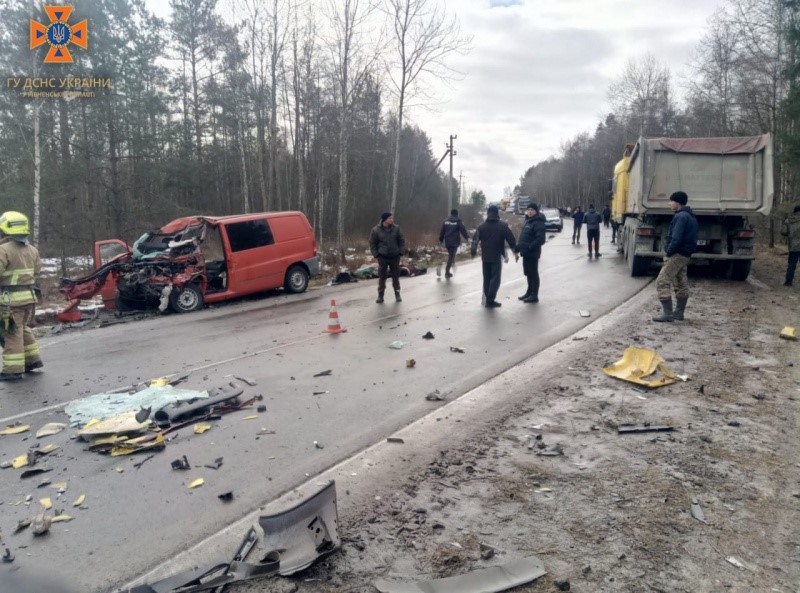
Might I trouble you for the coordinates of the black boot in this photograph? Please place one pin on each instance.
(397, 296)
(667, 314)
(680, 307)
(531, 299)
(33, 366)
(380, 298)
(525, 296)
(10, 376)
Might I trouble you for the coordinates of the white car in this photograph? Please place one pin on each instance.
(553, 221)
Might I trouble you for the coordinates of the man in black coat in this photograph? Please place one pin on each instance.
(387, 244)
(452, 231)
(592, 221)
(492, 235)
(531, 238)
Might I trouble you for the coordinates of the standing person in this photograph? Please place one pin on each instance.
(791, 230)
(606, 216)
(577, 222)
(19, 266)
(531, 238)
(492, 235)
(592, 220)
(452, 230)
(681, 244)
(387, 244)
(614, 228)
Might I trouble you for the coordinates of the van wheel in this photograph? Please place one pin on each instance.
(186, 299)
(296, 279)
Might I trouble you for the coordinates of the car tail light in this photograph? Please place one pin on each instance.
(744, 234)
(645, 232)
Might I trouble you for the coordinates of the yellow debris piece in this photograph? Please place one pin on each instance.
(19, 462)
(159, 382)
(92, 422)
(79, 501)
(48, 449)
(61, 518)
(249, 417)
(134, 447)
(196, 483)
(109, 440)
(59, 485)
(789, 333)
(15, 429)
(46, 503)
(638, 363)
(201, 428)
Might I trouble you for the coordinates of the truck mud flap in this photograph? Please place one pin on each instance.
(304, 533)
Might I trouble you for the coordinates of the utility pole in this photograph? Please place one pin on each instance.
(450, 178)
(460, 187)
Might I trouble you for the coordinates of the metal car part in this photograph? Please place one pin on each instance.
(169, 414)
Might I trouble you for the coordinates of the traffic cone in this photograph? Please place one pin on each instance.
(334, 327)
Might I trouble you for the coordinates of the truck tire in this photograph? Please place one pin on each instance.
(637, 264)
(740, 269)
(186, 299)
(296, 279)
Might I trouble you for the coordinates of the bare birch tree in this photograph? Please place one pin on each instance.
(423, 38)
(642, 93)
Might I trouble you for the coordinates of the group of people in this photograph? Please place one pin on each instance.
(592, 219)
(493, 235)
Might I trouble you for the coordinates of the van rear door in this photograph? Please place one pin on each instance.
(253, 262)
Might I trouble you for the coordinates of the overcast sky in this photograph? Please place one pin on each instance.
(538, 72)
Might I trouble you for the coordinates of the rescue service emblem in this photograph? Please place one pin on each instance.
(59, 34)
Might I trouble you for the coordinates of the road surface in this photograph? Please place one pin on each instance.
(138, 518)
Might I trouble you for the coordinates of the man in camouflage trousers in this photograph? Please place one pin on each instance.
(681, 244)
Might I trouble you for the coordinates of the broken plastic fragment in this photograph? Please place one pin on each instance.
(79, 501)
(159, 382)
(457, 349)
(225, 496)
(196, 483)
(697, 511)
(34, 471)
(46, 503)
(20, 461)
(249, 417)
(47, 449)
(7, 556)
(132, 446)
(62, 518)
(396, 345)
(584, 313)
(735, 561)
(428, 336)
(119, 470)
(788, 333)
(182, 463)
(326, 373)
(60, 486)
(201, 427)
(638, 363)
(50, 429)
(9, 430)
(411, 363)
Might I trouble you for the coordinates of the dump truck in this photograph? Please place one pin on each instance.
(727, 181)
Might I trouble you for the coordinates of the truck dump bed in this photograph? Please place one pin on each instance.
(730, 176)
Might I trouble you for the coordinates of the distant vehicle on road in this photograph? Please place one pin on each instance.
(521, 204)
(553, 220)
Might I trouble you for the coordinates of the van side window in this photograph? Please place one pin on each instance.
(249, 234)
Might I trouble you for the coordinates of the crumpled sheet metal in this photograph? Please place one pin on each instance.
(637, 364)
(485, 580)
(305, 532)
(110, 404)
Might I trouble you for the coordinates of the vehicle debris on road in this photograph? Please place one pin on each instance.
(638, 363)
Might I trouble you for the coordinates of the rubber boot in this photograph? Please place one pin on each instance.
(380, 298)
(33, 366)
(667, 314)
(680, 307)
(531, 299)
(10, 376)
(397, 296)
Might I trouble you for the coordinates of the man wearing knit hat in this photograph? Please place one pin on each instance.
(492, 236)
(387, 244)
(681, 244)
(452, 230)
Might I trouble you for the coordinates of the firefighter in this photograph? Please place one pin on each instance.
(19, 266)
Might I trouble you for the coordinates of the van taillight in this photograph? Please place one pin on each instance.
(645, 232)
(744, 234)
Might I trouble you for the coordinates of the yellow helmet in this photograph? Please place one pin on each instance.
(14, 224)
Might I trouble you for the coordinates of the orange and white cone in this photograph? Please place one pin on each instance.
(334, 327)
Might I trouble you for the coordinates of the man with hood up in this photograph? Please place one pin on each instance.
(791, 230)
(387, 244)
(681, 244)
(19, 266)
(492, 235)
(452, 230)
(531, 238)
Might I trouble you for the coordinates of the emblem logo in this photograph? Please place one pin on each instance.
(59, 34)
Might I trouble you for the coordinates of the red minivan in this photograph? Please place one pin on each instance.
(202, 259)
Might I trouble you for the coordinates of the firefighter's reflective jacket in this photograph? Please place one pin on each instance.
(19, 266)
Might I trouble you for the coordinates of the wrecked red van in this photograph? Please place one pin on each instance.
(201, 259)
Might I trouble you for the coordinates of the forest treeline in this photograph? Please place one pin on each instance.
(744, 80)
(279, 105)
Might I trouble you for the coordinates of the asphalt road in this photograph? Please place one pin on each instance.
(138, 518)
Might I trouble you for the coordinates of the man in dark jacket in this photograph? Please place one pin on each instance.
(681, 244)
(791, 230)
(577, 222)
(492, 235)
(452, 231)
(606, 216)
(387, 244)
(592, 221)
(531, 238)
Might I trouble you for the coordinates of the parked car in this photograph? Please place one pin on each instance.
(553, 220)
(202, 259)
